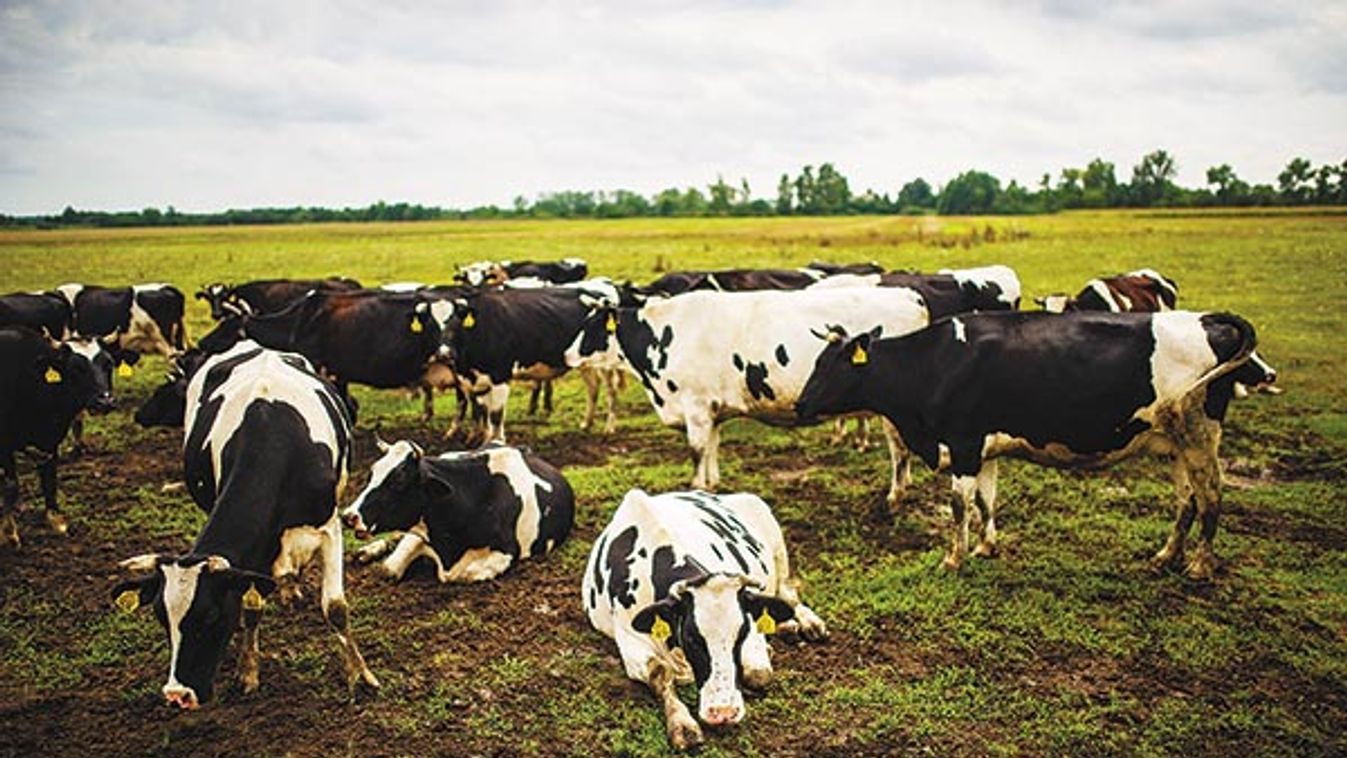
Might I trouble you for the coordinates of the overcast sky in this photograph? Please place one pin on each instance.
(204, 106)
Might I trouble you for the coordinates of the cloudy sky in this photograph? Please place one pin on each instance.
(204, 106)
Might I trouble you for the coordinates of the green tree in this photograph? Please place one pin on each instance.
(831, 190)
(1099, 185)
(971, 192)
(1229, 188)
(916, 194)
(722, 197)
(1293, 183)
(1152, 179)
(785, 196)
(806, 201)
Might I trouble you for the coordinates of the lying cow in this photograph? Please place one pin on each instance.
(265, 295)
(265, 454)
(1082, 390)
(145, 317)
(43, 385)
(484, 273)
(1141, 291)
(687, 584)
(39, 311)
(707, 357)
(732, 280)
(473, 514)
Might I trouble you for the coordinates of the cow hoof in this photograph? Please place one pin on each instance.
(985, 550)
(11, 532)
(248, 682)
(58, 522)
(951, 564)
(684, 733)
(1162, 562)
(1201, 568)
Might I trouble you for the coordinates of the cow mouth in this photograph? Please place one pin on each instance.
(101, 405)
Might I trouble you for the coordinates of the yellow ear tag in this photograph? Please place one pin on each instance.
(125, 371)
(469, 322)
(416, 326)
(128, 601)
(611, 325)
(766, 624)
(860, 357)
(660, 631)
(252, 599)
(52, 376)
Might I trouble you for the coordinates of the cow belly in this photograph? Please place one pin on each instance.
(1057, 455)
(538, 372)
(298, 545)
(477, 565)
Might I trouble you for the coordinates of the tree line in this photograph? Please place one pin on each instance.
(821, 191)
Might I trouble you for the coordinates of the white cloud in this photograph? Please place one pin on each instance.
(206, 106)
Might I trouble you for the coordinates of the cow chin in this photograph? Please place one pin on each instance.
(721, 709)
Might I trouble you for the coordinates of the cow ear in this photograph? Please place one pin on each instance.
(765, 610)
(658, 620)
(383, 446)
(432, 473)
(129, 357)
(133, 594)
(243, 580)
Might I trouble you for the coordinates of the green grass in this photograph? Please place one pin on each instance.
(1064, 645)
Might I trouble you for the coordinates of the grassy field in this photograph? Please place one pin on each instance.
(1065, 645)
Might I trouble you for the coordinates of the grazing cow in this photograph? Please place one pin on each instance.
(266, 449)
(496, 335)
(687, 584)
(265, 295)
(38, 311)
(707, 357)
(42, 388)
(145, 317)
(1081, 390)
(484, 273)
(473, 514)
(1141, 291)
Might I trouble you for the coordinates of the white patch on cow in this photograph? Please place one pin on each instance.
(1181, 360)
(510, 463)
(1104, 294)
(87, 347)
(1003, 276)
(143, 333)
(70, 291)
(476, 565)
(179, 591)
(573, 262)
(719, 619)
(402, 286)
(843, 281)
(1056, 303)
(816, 274)
(379, 471)
(442, 311)
(960, 334)
(300, 543)
(527, 283)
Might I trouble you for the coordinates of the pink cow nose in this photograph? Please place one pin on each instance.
(719, 715)
(183, 698)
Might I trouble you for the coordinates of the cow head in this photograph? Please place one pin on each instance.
(394, 497)
(224, 301)
(839, 372)
(1256, 375)
(167, 405)
(596, 344)
(481, 273)
(718, 620)
(85, 367)
(198, 599)
(1058, 302)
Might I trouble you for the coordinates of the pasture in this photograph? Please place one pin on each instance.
(1064, 645)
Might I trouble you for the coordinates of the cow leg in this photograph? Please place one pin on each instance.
(46, 471)
(1185, 509)
(699, 429)
(643, 666)
(496, 399)
(965, 492)
(900, 461)
(611, 378)
(427, 402)
(713, 456)
(591, 380)
(839, 432)
(335, 610)
(77, 433)
(249, 651)
(547, 397)
(863, 433)
(409, 548)
(9, 528)
(461, 401)
(1205, 475)
(986, 502)
(533, 398)
(806, 623)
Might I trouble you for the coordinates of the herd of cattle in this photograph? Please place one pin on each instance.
(686, 583)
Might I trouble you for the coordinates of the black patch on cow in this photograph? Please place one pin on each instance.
(755, 377)
(619, 562)
(738, 362)
(781, 356)
(664, 572)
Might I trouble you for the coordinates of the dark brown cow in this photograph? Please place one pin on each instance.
(1141, 291)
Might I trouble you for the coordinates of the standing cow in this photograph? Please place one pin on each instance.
(265, 295)
(1082, 390)
(707, 357)
(38, 311)
(473, 514)
(265, 454)
(145, 317)
(43, 385)
(687, 584)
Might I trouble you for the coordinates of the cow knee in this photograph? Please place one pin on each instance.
(336, 614)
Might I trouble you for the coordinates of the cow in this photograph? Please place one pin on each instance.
(482, 273)
(688, 584)
(706, 357)
(833, 269)
(265, 295)
(43, 385)
(500, 334)
(145, 317)
(731, 280)
(38, 311)
(1141, 291)
(265, 454)
(1080, 390)
(474, 514)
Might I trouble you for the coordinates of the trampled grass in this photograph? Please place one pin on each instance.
(1063, 645)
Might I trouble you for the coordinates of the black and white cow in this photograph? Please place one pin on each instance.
(145, 317)
(266, 295)
(833, 269)
(687, 584)
(43, 386)
(38, 311)
(707, 357)
(266, 449)
(496, 335)
(1081, 390)
(483, 273)
(1141, 291)
(732, 280)
(473, 514)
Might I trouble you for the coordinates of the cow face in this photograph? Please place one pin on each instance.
(481, 273)
(393, 498)
(839, 373)
(198, 600)
(718, 621)
(84, 367)
(167, 406)
(596, 344)
(1055, 303)
(224, 301)
(1256, 374)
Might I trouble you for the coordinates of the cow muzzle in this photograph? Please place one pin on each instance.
(102, 404)
(183, 697)
(356, 524)
(723, 715)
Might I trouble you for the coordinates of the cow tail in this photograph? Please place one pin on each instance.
(1248, 340)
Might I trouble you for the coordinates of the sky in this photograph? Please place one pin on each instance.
(207, 106)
